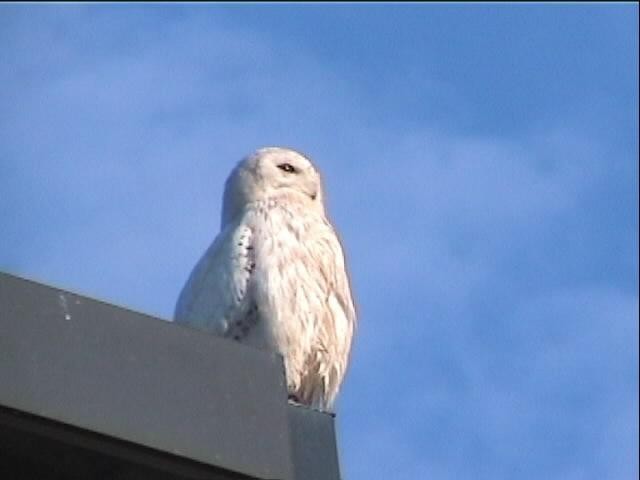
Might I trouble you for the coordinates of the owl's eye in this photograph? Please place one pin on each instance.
(287, 167)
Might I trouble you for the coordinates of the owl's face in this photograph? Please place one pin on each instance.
(272, 172)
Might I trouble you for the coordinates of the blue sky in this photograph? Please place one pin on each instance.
(481, 163)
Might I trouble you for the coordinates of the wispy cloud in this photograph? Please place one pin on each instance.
(487, 346)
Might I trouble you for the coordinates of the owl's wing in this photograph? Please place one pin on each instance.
(215, 295)
(340, 317)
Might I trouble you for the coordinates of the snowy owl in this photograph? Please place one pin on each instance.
(275, 276)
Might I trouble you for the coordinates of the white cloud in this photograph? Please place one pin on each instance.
(120, 136)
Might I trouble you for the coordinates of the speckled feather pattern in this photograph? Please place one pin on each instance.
(275, 276)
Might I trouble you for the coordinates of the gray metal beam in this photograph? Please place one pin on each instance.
(148, 385)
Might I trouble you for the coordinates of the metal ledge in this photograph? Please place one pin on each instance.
(105, 386)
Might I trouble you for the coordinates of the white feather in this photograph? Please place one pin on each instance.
(275, 276)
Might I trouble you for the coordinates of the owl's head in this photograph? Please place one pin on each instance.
(272, 172)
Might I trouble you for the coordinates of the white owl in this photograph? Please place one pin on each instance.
(275, 276)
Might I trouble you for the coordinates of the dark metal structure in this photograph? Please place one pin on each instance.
(93, 391)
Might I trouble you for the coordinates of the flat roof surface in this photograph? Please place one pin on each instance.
(142, 386)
